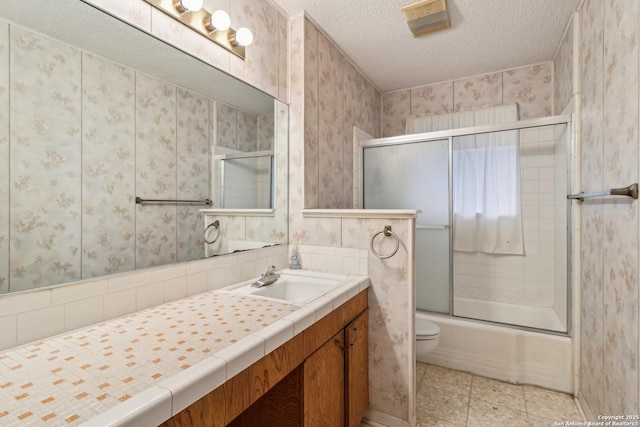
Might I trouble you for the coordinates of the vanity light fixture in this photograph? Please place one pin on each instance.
(215, 26)
(189, 5)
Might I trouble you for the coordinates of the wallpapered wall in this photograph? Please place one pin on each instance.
(337, 98)
(609, 92)
(391, 293)
(247, 183)
(265, 65)
(86, 136)
(242, 131)
(530, 87)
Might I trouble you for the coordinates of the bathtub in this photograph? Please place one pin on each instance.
(533, 317)
(503, 353)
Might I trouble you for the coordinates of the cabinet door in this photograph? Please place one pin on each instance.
(357, 368)
(323, 385)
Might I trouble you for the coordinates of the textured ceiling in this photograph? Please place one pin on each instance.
(485, 35)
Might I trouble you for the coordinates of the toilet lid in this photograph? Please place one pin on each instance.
(426, 328)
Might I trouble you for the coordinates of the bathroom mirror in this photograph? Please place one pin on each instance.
(95, 113)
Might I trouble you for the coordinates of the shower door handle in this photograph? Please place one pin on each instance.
(432, 227)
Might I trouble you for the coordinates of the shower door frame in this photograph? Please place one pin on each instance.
(449, 135)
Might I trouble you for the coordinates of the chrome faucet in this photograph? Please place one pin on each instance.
(269, 277)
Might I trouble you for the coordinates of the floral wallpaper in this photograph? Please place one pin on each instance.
(311, 77)
(530, 87)
(391, 293)
(193, 170)
(45, 147)
(114, 134)
(261, 65)
(330, 130)
(337, 97)
(236, 132)
(265, 132)
(391, 312)
(155, 171)
(620, 219)
(265, 66)
(108, 139)
(563, 72)
(4, 156)
(226, 124)
(236, 129)
(609, 157)
(476, 92)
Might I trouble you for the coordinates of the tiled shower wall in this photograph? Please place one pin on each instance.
(516, 279)
(85, 137)
(337, 98)
(531, 87)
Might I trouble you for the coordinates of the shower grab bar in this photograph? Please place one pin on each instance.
(630, 191)
(432, 227)
(387, 232)
(140, 200)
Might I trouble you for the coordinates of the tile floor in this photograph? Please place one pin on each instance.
(449, 398)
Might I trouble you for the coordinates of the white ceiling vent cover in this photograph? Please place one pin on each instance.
(426, 16)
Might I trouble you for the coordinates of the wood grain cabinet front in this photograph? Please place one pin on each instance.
(357, 369)
(318, 378)
(336, 378)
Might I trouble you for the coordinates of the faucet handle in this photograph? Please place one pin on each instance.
(270, 270)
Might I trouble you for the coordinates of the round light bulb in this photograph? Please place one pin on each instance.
(192, 5)
(220, 20)
(244, 36)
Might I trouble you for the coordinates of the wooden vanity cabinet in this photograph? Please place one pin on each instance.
(323, 382)
(318, 378)
(336, 378)
(357, 369)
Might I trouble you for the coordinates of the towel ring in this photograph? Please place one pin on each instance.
(215, 224)
(387, 232)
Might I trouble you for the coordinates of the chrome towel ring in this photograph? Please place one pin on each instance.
(215, 224)
(387, 232)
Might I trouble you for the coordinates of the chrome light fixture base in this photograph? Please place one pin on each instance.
(199, 22)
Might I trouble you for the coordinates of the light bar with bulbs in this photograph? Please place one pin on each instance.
(215, 26)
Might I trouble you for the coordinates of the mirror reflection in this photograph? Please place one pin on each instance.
(94, 113)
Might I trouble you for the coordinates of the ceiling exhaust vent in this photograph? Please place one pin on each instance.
(426, 16)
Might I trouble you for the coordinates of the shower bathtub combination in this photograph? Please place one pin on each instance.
(492, 240)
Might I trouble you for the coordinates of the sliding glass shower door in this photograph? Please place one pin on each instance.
(416, 176)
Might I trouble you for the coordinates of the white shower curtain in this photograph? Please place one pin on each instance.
(486, 180)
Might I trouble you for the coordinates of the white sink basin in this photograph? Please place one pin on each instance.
(292, 288)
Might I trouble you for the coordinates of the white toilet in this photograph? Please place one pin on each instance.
(427, 338)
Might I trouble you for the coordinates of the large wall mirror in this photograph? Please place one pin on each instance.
(94, 113)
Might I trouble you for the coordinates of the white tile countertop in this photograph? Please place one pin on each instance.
(143, 368)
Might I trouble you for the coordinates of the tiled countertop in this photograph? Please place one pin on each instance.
(145, 367)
